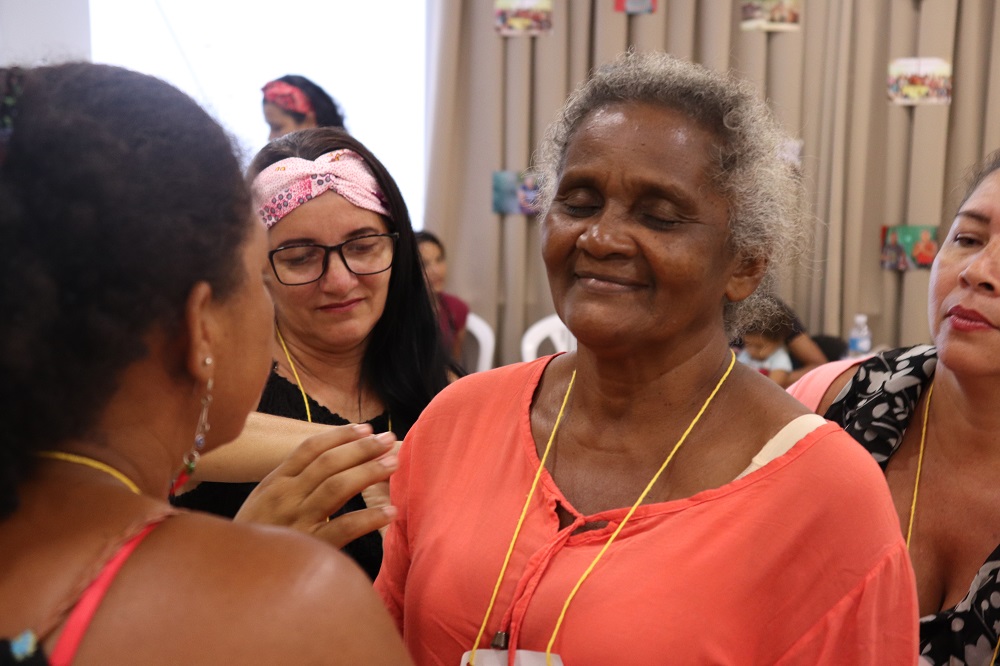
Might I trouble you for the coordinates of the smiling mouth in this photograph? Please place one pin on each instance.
(345, 305)
(606, 283)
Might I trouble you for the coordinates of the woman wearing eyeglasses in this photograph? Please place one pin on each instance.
(356, 339)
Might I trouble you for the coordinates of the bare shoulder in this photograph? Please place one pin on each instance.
(764, 400)
(204, 590)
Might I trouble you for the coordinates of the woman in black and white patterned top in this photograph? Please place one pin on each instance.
(929, 416)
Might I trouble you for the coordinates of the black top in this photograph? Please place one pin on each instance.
(282, 398)
(875, 408)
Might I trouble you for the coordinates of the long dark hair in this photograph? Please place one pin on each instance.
(117, 195)
(405, 361)
(328, 112)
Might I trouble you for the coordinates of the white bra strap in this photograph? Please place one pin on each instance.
(784, 440)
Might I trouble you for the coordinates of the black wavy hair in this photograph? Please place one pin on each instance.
(328, 112)
(405, 361)
(117, 195)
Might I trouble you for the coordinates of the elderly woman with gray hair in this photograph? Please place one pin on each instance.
(645, 499)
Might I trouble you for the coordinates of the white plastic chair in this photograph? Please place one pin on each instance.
(486, 340)
(547, 328)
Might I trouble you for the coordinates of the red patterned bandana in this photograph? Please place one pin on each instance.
(287, 97)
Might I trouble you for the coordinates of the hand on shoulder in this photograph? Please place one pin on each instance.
(319, 477)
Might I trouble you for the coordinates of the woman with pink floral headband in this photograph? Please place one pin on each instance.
(356, 337)
(294, 102)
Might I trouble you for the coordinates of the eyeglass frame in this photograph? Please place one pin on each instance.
(328, 249)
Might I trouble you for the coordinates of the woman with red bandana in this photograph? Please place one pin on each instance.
(294, 102)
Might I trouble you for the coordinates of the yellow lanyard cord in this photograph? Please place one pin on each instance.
(916, 488)
(632, 510)
(920, 467)
(298, 382)
(93, 464)
(295, 373)
(520, 520)
(621, 525)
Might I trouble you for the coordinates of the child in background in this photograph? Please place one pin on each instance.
(802, 348)
(764, 350)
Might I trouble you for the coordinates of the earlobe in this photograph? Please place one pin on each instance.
(202, 332)
(745, 279)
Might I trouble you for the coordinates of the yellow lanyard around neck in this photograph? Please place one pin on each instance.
(920, 468)
(295, 373)
(614, 535)
(86, 461)
(298, 382)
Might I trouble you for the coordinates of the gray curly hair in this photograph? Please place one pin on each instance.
(763, 189)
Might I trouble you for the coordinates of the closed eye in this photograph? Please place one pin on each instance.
(655, 223)
(578, 201)
(579, 211)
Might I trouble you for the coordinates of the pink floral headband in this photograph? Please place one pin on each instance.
(287, 97)
(285, 185)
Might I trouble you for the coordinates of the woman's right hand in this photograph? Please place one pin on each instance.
(319, 477)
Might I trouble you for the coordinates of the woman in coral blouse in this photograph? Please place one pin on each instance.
(646, 499)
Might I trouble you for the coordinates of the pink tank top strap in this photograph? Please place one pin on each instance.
(80, 617)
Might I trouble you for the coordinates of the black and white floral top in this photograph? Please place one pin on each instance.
(875, 408)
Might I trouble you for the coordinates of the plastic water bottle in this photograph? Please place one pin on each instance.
(859, 343)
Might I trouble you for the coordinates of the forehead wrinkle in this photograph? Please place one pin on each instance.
(615, 118)
(606, 125)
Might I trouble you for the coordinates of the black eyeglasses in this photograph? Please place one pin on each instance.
(301, 264)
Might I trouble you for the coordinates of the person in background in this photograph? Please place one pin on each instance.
(355, 335)
(805, 353)
(764, 351)
(782, 322)
(645, 498)
(135, 336)
(928, 415)
(294, 102)
(924, 249)
(452, 311)
(893, 256)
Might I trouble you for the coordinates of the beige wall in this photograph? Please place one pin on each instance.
(867, 163)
